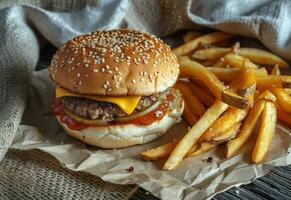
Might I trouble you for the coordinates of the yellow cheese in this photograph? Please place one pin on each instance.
(126, 103)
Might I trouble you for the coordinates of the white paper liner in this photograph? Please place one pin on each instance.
(192, 179)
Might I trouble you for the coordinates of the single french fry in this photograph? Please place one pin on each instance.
(266, 132)
(283, 98)
(194, 134)
(262, 57)
(205, 39)
(231, 117)
(268, 96)
(282, 81)
(201, 148)
(212, 53)
(247, 128)
(159, 152)
(288, 91)
(239, 61)
(190, 117)
(201, 94)
(284, 117)
(276, 70)
(227, 135)
(230, 74)
(194, 103)
(191, 35)
(245, 85)
(220, 91)
(255, 55)
(221, 63)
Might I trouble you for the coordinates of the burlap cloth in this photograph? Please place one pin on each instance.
(24, 30)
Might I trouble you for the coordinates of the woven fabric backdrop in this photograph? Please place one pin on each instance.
(25, 29)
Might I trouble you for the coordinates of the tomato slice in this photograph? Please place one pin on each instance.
(147, 119)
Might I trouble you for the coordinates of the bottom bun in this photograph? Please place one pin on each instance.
(118, 136)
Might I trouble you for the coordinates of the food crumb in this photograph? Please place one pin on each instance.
(209, 159)
(130, 169)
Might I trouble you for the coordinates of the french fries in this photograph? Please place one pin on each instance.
(191, 35)
(262, 57)
(220, 91)
(159, 152)
(205, 39)
(229, 118)
(194, 134)
(190, 117)
(201, 148)
(233, 146)
(194, 104)
(255, 55)
(246, 84)
(282, 81)
(283, 98)
(266, 132)
(212, 53)
(202, 95)
(239, 61)
(229, 74)
(284, 117)
(239, 94)
(227, 135)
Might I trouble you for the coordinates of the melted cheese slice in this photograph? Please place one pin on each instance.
(126, 103)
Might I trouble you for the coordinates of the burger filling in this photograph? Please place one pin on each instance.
(79, 113)
(91, 109)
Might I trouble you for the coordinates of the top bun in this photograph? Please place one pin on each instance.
(115, 62)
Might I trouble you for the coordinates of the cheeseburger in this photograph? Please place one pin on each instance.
(114, 88)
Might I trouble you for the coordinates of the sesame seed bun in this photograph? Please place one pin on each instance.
(119, 136)
(115, 62)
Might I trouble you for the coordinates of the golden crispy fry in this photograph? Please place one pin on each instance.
(227, 135)
(210, 63)
(194, 103)
(201, 148)
(159, 152)
(282, 81)
(288, 91)
(247, 128)
(205, 39)
(220, 91)
(201, 94)
(191, 35)
(230, 74)
(255, 55)
(212, 53)
(190, 117)
(245, 85)
(262, 57)
(283, 98)
(221, 63)
(284, 117)
(266, 132)
(239, 61)
(231, 117)
(268, 96)
(194, 134)
(276, 70)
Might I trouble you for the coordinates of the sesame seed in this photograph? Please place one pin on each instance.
(133, 81)
(116, 69)
(78, 75)
(95, 70)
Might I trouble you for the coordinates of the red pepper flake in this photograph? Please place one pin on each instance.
(130, 169)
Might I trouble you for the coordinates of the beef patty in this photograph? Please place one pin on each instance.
(91, 109)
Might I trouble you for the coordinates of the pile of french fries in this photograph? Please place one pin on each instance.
(228, 92)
